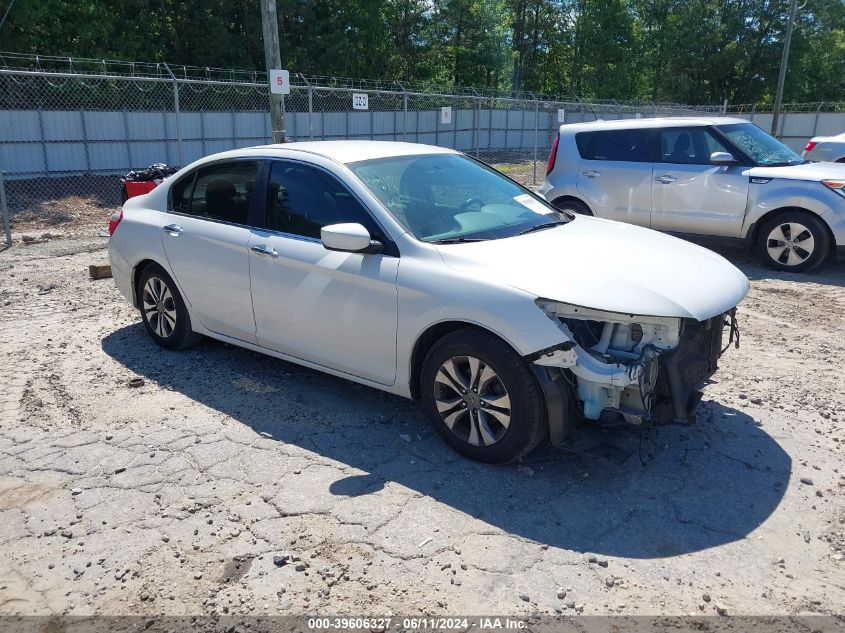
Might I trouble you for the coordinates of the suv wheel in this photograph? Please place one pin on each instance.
(574, 206)
(163, 311)
(795, 241)
(482, 397)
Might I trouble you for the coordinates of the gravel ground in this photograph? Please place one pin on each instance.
(220, 481)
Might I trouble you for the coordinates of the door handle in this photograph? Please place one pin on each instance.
(666, 179)
(174, 230)
(591, 173)
(263, 249)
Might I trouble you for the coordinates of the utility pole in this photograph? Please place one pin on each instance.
(784, 60)
(273, 59)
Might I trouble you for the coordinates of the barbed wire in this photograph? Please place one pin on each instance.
(251, 77)
(764, 108)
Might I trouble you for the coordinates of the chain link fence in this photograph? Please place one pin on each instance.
(70, 128)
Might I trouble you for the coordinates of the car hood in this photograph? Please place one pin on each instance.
(607, 265)
(807, 171)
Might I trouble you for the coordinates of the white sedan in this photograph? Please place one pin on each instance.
(423, 272)
(826, 148)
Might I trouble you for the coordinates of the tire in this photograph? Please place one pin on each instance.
(473, 423)
(796, 241)
(163, 311)
(574, 206)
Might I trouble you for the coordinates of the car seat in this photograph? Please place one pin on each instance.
(220, 200)
(300, 203)
(680, 153)
(419, 208)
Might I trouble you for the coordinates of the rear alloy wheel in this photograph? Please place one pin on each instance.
(482, 397)
(794, 241)
(159, 307)
(163, 311)
(573, 206)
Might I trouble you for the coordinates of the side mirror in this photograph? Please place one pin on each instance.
(348, 238)
(722, 158)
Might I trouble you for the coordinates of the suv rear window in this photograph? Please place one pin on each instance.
(617, 145)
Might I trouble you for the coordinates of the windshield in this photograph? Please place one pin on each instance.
(452, 198)
(760, 147)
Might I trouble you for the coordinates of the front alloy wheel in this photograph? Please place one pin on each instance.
(796, 241)
(790, 243)
(482, 397)
(472, 400)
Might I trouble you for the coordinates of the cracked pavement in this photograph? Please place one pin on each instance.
(227, 482)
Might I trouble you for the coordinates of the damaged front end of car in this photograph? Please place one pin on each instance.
(626, 368)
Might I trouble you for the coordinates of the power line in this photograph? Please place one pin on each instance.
(9, 8)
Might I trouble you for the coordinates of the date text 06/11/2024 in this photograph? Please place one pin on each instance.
(414, 623)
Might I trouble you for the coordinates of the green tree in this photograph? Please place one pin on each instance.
(692, 51)
(603, 63)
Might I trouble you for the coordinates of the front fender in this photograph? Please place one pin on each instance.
(428, 296)
(763, 198)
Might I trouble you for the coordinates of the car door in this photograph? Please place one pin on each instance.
(615, 174)
(689, 195)
(205, 234)
(336, 309)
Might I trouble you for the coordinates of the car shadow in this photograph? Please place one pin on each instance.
(618, 491)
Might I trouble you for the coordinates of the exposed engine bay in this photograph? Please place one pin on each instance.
(633, 369)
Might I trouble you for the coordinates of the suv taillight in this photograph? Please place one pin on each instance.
(810, 146)
(114, 220)
(552, 156)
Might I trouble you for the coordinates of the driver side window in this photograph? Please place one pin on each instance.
(302, 199)
(688, 145)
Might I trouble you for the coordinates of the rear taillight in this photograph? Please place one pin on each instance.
(114, 220)
(552, 156)
(810, 146)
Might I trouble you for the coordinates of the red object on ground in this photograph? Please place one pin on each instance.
(137, 187)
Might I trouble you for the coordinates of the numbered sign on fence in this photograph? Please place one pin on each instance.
(446, 115)
(360, 101)
(279, 81)
(561, 115)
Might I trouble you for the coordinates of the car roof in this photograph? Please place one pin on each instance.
(353, 151)
(628, 124)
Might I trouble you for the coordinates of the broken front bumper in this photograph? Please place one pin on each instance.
(686, 369)
(626, 368)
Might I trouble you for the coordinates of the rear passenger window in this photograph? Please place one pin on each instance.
(219, 192)
(616, 145)
(180, 194)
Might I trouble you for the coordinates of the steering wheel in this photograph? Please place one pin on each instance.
(466, 204)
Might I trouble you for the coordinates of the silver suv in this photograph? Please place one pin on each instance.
(708, 176)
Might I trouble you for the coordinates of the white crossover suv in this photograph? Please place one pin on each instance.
(825, 148)
(708, 176)
(422, 272)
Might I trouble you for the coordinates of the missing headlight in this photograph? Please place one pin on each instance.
(636, 332)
